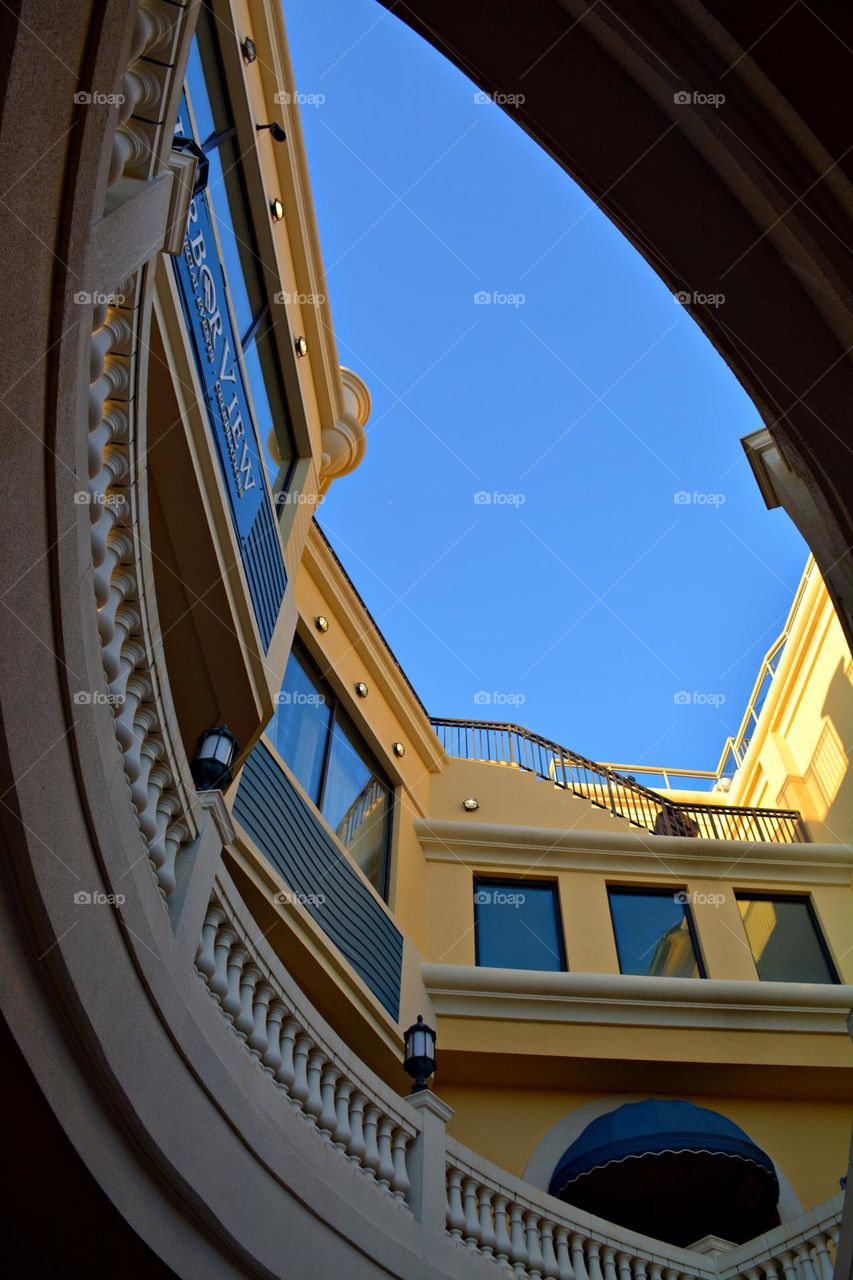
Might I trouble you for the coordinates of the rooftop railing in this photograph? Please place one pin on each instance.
(510, 745)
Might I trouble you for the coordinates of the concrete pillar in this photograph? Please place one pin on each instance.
(427, 1163)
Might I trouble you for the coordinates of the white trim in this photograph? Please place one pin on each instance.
(468, 991)
(633, 852)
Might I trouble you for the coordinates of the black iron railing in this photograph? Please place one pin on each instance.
(511, 745)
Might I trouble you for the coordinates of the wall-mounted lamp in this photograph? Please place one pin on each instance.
(362, 689)
(321, 623)
(248, 49)
(419, 1060)
(214, 755)
(301, 346)
(470, 804)
(398, 749)
(276, 132)
(277, 210)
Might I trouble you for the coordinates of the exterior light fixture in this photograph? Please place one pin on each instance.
(470, 804)
(398, 749)
(249, 50)
(362, 689)
(301, 346)
(419, 1061)
(215, 753)
(321, 623)
(277, 210)
(276, 132)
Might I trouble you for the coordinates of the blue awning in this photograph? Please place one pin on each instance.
(640, 1129)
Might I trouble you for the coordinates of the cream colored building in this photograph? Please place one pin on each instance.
(640, 992)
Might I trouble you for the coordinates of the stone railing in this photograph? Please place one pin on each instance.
(146, 732)
(533, 1236)
(143, 89)
(803, 1249)
(318, 1077)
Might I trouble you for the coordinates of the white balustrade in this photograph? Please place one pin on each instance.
(534, 1237)
(363, 1121)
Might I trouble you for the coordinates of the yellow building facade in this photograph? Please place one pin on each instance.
(278, 860)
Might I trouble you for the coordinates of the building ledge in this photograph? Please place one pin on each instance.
(620, 851)
(468, 991)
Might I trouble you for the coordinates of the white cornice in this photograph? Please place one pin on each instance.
(468, 991)
(619, 852)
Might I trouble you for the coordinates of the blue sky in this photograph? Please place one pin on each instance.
(581, 398)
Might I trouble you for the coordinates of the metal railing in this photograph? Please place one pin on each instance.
(512, 746)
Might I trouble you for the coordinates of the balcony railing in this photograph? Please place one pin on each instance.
(511, 745)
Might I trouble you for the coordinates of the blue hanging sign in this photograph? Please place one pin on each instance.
(203, 289)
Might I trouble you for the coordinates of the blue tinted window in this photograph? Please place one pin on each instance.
(301, 726)
(518, 925)
(784, 939)
(323, 751)
(202, 109)
(269, 424)
(234, 254)
(654, 933)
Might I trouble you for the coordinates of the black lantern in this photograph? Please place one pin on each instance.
(420, 1054)
(215, 753)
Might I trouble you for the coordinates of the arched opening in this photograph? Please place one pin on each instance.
(671, 1170)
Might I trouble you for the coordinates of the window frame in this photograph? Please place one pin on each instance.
(658, 891)
(504, 882)
(351, 730)
(762, 895)
(282, 481)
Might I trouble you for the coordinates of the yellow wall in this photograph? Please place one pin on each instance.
(808, 1140)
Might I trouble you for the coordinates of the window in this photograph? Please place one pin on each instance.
(784, 938)
(227, 196)
(517, 925)
(323, 750)
(654, 933)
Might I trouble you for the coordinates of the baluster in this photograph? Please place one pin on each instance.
(399, 1146)
(343, 1132)
(564, 1257)
(823, 1260)
(472, 1217)
(639, 1269)
(385, 1172)
(608, 1254)
(806, 1264)
(245, 1021)
(357, 1144)
(259, 1035)
(503, 1244)
(271, 1056)
(205, 960)
(299, 1085)
(328, 1118)
(594, 1264)
(535, 1261)
(788, 1266)
(286, 1073)
(623, 1264)
(371, 1147)
(236, 959)
(455, 1210)
(222, 949)
(518, 1255)
(313, 1105)
(771, 1270)
(487, 1231)
(578, 1260)
(550, 1266)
